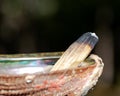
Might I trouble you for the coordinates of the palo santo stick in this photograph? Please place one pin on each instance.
(77, 52)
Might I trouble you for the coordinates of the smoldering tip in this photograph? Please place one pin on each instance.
(94, 35)
(88, 38)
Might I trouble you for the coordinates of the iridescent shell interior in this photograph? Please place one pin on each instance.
(27, 63)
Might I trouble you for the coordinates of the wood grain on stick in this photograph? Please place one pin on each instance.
(77, 52)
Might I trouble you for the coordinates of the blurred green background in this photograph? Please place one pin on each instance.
(31, 26)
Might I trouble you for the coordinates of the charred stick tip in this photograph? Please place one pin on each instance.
(88, 38)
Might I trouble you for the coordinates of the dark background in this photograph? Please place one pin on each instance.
(32, 26)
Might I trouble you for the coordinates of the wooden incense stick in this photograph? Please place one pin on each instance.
(77, 52)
